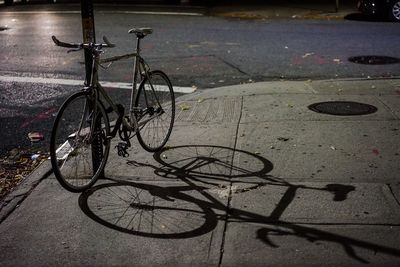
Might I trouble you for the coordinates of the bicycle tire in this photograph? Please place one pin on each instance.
(77, 159)
(156, 86)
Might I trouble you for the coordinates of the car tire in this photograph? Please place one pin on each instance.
(394, 11)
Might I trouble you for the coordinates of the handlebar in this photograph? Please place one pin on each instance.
(79, 46)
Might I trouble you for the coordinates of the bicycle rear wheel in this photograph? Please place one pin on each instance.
(78, 151)
(155, 109)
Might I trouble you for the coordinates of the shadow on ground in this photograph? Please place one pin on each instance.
(190, 207)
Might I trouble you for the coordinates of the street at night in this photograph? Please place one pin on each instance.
(284, 150)
(196, 50)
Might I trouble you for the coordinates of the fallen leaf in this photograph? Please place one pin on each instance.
(184, 107)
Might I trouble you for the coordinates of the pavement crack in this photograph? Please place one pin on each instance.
(390, 109)
(228, 205)
(393, 194)
(232, 65)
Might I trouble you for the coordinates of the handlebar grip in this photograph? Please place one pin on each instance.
(67, 45)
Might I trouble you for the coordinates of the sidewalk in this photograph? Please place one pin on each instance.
(250, 177)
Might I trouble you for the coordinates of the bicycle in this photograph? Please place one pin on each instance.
(82, 133)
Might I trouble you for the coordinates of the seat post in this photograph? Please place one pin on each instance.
(138, 46)
(135, 76)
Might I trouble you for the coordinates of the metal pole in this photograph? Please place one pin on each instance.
(337, 6)
(89, 36)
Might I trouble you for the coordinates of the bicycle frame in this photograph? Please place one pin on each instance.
(92, 139)
(139, 68)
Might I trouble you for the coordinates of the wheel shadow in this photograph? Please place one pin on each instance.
(192, 208)
(148, 210)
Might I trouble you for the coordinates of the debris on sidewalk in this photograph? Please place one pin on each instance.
(375, 151)
(35, 137)
(184, 107)
(18, 164)
(289, 105)
(224, 192)
(283, 139)
(307, 55)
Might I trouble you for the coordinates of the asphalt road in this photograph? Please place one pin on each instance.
(193, 49)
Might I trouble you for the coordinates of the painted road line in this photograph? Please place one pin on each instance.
(69, 82)
(8, 13)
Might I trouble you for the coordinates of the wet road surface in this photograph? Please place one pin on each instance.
(196, 51)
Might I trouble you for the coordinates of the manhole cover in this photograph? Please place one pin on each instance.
(374, 60)
(342, 108)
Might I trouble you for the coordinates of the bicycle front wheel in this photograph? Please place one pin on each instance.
(155, 111)
(79, 146)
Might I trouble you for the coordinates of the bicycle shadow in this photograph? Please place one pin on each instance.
(148, 210)
(193, 209)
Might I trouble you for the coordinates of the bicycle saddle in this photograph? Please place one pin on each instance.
(141, 32)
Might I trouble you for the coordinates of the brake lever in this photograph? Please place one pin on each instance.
(74, 50)
(62, 44)
(108, 43)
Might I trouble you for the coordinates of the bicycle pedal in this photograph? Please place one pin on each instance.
(122, 149)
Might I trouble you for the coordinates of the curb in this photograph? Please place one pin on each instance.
(258, 16)
(22, 191)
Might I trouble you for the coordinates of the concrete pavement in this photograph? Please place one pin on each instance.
(250, 177)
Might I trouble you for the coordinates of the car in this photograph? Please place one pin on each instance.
(388, 9)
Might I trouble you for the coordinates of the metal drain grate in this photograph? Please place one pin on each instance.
(343, 108)
(374, 60)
